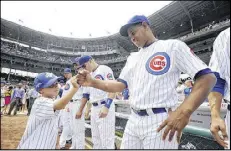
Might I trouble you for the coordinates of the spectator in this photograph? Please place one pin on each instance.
(16, 99)
(3, 89)
(7, 95)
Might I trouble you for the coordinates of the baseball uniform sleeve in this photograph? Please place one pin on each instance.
(108, 73)
(186, 61)
(126, 73)
(218, 61)
(44, 109)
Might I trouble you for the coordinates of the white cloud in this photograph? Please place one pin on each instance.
(78, 17)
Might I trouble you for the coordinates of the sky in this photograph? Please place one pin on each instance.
(77, 19)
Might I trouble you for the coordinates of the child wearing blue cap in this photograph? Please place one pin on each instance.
(42, 127)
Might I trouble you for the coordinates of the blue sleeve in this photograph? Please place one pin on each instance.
(86, 95)
(220, 85)
(123, 81)
(202, 72)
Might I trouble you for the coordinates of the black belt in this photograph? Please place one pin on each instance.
(228, 107)
(96, 104)
(144, 112)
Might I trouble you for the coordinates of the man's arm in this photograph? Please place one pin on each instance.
(199, 93)
(178, 119)
(87, 111)
(105, 109)
(217, 123)
(215, 99)
(113, 86)
(221, 49)
(80, 111)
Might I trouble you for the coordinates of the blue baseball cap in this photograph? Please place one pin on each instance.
(84, 59)
(44, 80)
(75, 60)
(67, 70)
(134, 20)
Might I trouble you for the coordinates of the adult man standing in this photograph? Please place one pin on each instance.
(103, 107)
(77, 120)
(16, 99)
(151, 75)
(65, 113)
(220, 64)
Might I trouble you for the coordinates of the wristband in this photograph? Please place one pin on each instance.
(86, 95)
(108, 103)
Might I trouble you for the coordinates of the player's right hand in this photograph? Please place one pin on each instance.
(78, 115)
(74, 82)
(175, 123)
(84, 78)
(217, 124)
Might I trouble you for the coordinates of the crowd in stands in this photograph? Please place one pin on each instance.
(12, 48)
(83, 48)
(209, 27)
(202, 43)
(29, 52)
(14, 79)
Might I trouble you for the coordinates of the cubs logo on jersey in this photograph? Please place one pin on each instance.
(99, 77)
(67, 86)
(158, 63)
(109, 76)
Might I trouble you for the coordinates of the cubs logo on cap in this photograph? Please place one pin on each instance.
(109, 76)
(99, 77)
(158, 63)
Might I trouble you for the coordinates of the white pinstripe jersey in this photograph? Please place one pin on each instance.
(153, 72)
(78, 95)
(101, 73)
(220, 59)
(42, 126)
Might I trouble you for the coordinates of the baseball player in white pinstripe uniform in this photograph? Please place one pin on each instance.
(65, 113)
(103, 108)
(42, 126)
(77, 119)
(220, 64)
(151, 75)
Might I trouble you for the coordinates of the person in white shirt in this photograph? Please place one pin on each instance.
(220, 64)
(151, 75)
(102, 108)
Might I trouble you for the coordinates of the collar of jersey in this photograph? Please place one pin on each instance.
(95, 70)
(150, 44)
